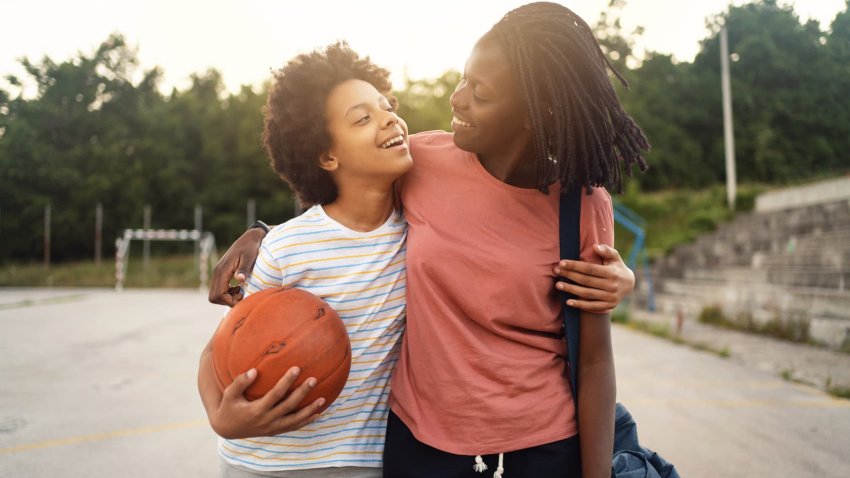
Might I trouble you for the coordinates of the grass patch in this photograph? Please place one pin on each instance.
(840, 392)
(177, 271)
(621, 316)
(663, 331)
(791, 329)
(676, 217)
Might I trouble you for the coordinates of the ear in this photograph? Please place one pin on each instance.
(328, 162)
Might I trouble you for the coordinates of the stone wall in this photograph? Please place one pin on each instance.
(776, 267)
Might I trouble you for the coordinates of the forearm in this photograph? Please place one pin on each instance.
(597, 396)
(207, 385)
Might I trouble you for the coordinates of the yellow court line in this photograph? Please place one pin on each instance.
(105, 436)
(745, 403)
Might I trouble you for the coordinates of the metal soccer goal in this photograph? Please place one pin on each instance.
(206, 250)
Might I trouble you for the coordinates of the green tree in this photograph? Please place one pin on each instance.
(424, 104)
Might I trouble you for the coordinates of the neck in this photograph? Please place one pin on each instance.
(361, 208)
(517, 168)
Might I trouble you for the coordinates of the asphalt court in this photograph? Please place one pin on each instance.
(95, 383)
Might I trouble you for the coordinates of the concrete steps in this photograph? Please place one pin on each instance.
(791, 264)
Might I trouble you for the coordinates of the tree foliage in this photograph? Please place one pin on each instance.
(789, 85)
(99, 130)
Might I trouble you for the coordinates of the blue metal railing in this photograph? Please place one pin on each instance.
(635, 224)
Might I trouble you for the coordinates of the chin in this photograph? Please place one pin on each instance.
(463, 142)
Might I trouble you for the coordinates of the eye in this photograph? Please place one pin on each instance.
(391, 109)
(363, 120)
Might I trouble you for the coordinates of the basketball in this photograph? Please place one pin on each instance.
(276, 329)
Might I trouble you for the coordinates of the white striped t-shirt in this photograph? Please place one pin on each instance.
(362, 276)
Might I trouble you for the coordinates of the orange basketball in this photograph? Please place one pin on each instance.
(276, 329)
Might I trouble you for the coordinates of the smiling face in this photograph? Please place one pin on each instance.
(368, 140)
(489, 113)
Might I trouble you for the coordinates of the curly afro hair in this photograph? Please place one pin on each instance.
(296, 132)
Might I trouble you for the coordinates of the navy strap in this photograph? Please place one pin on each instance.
(570, 230)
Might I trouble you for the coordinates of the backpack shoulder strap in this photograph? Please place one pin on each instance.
(569, 226)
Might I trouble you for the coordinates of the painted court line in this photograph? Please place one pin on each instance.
(104, 436)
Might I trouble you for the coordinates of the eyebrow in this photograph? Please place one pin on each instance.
(365, 105)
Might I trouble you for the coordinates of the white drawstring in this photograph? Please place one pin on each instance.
(500, 469)
(480, 466)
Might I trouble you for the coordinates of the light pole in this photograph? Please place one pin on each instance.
(728, 134)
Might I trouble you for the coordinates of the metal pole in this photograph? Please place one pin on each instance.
(728, 131)
(147, 242)
(47, 236)
(98, 233)
(252, 212)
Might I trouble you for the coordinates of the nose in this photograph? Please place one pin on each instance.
(390, 119)
(458, 98)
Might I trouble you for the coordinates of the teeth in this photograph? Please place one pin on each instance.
(393, 141)
(460, 122)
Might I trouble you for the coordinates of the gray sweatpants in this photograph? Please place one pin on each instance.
(226, 470)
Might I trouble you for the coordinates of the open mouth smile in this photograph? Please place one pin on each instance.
(462, 123)
(392, 142)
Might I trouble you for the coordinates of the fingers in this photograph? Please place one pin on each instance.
(589, 281)
(290, 404)
(300, 418)
(235, 294)
(586, 293)
(303, 423)
(594, 307)
(221, 291)
(607, 253)
(236, 390)
(585, 268)
(244, 270)
(274, 396)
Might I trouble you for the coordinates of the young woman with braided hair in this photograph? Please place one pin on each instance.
(480, 383)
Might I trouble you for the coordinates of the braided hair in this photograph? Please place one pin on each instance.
(580, 132)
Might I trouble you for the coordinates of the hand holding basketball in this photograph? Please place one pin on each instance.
(236, 417)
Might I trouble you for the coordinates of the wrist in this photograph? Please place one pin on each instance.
(260, 225)
(257, 233)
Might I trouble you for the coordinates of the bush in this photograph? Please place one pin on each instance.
(713, 315)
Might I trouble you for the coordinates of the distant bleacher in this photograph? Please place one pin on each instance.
(787, 260)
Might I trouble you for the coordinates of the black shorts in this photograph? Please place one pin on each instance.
(407, 457)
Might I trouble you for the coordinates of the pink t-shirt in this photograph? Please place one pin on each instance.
(482, 363)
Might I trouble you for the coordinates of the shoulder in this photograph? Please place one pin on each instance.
(312, 221)
(598, 200)
(597, 223)
(429, 140)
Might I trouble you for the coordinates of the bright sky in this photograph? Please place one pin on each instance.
(244, 39)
